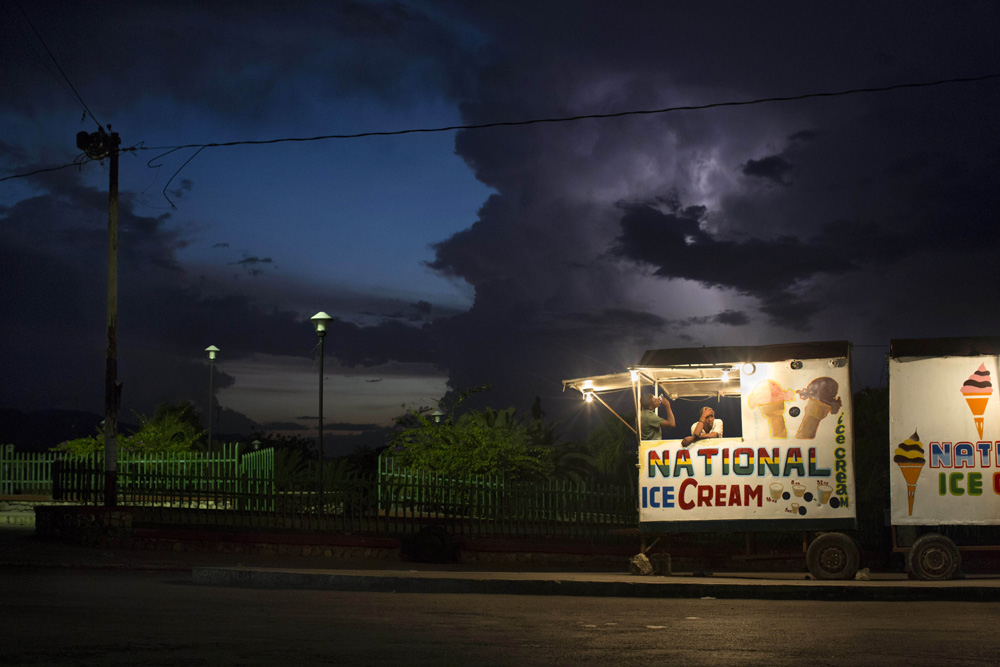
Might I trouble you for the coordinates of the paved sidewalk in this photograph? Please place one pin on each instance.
(20, 549)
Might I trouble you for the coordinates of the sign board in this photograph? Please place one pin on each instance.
(944, 440)
(792, 469)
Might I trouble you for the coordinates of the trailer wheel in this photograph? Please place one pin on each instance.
(833, 556)
(933, 557)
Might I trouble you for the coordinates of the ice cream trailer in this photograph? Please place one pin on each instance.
(785, 458)
(944, 447)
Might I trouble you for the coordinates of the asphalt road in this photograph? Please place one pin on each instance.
(98, 617)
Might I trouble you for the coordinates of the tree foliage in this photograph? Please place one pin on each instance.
(615, 450)
(173, 428)
(480, 441)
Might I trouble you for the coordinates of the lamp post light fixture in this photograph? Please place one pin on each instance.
(320, 320)
(212, 350)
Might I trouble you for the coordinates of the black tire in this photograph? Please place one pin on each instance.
(833, 556)
(933, 557)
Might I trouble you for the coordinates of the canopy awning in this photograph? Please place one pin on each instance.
(702, 372)
(675, 382)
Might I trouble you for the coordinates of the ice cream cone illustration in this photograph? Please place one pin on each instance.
(771, 398)
(977, 391)
(822, 399)
(909, 456)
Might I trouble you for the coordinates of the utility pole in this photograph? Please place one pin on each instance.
(97, 146)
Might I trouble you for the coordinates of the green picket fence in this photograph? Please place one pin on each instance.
(402, 490)
(479, 504)
(25, 473)
(204, 472)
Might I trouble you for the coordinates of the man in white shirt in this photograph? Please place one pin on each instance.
(707, 426)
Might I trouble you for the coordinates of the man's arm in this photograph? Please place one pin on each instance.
(669, 421)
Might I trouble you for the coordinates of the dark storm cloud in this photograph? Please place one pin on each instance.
(731, 318)
(865, 195)
(251, 265)
(587, 252)
(285, 426)
(615, 319)
(773, 168)
(395, 51)
(53, 251)
(388, 341)
(673, 242)
(53, 265)
(186, 185)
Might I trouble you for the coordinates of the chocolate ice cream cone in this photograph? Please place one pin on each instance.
(775, 414)
(910, 473)
(814, 413)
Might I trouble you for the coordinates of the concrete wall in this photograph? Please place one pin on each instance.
(126, 528)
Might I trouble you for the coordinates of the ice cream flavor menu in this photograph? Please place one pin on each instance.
(944, 441)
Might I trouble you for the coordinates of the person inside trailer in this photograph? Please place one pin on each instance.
(650, 421)
(707, 426)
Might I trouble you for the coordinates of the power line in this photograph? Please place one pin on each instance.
(563, 119)
(56, 63)
(535, 121)
(42, 171)
(33, 49)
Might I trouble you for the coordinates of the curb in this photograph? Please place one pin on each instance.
(640, 588)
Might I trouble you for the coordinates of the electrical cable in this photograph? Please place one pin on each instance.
(535, 121)
(33, 48)
(563, 119)
(56, 62)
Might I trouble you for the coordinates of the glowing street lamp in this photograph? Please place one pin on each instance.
(320, 320)
(212, 350)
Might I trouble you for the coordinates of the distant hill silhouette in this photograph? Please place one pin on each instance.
(42, 430)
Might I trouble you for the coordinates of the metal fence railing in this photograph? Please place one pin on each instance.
(36, 473)
(25, 473)
(371, 504)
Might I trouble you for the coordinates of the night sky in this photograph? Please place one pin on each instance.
(517, 255)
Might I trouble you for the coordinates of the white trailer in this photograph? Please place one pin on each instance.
(786, 458)
(944, 446)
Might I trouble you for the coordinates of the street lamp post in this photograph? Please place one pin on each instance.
(320, 320)
(212, 350)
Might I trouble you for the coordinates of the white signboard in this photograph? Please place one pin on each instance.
(944, 441)
(792, 468)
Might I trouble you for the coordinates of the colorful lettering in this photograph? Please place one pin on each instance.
(707, 454)
(654, 463)
(965, 456)
(793, 460)
(743, 463)
(719, 495)
(770, 461)
(683, 461)
(813, 470)
(940, 454)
